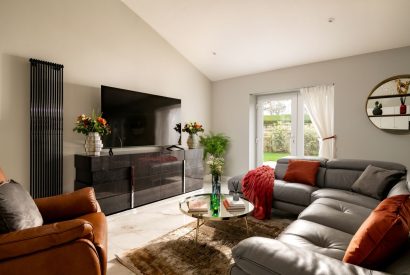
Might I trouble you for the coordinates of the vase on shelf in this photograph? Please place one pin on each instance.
(93, 144)
(193, 141)
(403, 109)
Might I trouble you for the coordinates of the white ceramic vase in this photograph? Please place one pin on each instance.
(193, 141)
(93, 144)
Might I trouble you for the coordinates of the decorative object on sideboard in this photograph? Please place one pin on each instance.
(178, 129)
(391, 94)
(193, 128)
(93, 127)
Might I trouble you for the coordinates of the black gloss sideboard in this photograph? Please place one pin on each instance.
(127, 180)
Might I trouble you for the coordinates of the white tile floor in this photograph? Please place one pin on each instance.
(136, 227)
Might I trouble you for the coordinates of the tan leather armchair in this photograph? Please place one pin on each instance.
(73, 239)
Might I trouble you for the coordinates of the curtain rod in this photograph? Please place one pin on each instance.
(291, 90)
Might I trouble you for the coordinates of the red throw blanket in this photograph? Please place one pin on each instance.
(257, 187)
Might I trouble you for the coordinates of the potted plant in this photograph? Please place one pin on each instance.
(193, 128)
(215, 146)
(93, 127)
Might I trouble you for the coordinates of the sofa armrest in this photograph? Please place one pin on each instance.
(68, 206)
(259, 255)
(400, 188)
(39, 238)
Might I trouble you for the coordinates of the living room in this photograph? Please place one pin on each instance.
(218, 59)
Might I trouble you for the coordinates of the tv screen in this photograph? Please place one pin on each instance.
(139, 119)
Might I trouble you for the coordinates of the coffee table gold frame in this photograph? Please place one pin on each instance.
(223, 214)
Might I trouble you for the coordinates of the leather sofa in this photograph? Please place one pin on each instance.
(329, 214)
(73, 239)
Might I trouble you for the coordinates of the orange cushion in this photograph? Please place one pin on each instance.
(302, 171)
(2, 176)
(381, 234)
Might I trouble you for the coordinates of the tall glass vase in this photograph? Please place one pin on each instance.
(216, 194)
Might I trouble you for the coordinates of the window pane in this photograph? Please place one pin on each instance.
(276, 130)
(311, 138)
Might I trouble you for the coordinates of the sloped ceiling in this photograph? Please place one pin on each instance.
(229, 38)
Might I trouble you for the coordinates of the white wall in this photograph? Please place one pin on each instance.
(100, 42)
(354, 78)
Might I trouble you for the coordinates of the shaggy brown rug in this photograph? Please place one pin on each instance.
(177, 253)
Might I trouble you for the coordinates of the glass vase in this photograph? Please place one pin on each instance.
(216, 195)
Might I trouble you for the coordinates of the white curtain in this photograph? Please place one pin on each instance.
(319, 102)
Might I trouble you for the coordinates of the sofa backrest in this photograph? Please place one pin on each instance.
(342, 173)
(282, 166)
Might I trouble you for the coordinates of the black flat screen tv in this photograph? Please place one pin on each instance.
(139, 119)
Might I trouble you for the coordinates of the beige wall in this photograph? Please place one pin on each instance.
(354, 78)
(100, 42)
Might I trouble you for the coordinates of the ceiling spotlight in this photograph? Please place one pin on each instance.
(331, 19)
(213, 53)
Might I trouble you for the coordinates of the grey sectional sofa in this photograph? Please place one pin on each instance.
(329, 215)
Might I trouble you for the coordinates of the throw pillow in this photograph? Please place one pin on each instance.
(302, 171)
(381, 234)
(374, 181)
(17, 209)
(2, 176)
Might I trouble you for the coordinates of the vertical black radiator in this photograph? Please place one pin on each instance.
(46, 128)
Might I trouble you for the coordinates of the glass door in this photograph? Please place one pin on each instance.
(277, 127)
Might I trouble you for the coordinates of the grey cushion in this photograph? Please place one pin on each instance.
(347, 196)
(336, 214)
(374, 181)
(316, 237)
(17, 209)
(342, 173)
(296, 193)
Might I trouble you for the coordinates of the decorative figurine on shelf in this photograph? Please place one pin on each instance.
(93, 127)
(377, 110)
(402, 89)
(403, 107)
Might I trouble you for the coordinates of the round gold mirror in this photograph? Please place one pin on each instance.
(388, 105)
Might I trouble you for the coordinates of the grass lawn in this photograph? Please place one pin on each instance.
(269, 156)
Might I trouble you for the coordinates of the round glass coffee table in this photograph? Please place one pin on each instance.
(221, 215)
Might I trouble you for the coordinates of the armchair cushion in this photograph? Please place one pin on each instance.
(30, 240)
(68, 206)
(17, 209)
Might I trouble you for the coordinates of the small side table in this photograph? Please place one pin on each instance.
(222, 215)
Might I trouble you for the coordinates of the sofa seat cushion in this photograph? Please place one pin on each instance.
(316, 237)
(296, 193)
(346, 196)
(336, 214)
